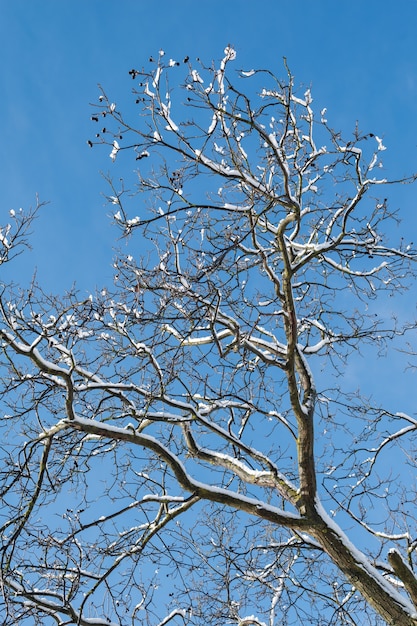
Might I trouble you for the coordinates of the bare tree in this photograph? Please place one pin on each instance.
(182, 447)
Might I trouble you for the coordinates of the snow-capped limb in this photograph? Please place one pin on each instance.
(165, 112)
(196, 77)
(343, 269)
(213, 124)
(266, 350)
(197, 341)
(157, 76)
(197, 488)
(250, 620)
(230, 55)
(181, 612)
(273, 480)
(4, 232)
(391, 604)
(166, 499)
(379, 142)
(351, 150)
(115, 150)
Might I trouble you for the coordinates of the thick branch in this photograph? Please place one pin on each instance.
(380, 594)
(404, 573)
(204, 491)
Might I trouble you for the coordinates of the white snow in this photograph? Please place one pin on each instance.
(148, 92)
(230, 53)
(157, 76)
(380, 144)
(115, 150)
(3, 236)
(166, 115)
(196, 77)
(213, 124)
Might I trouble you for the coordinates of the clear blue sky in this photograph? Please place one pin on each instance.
(359, 57)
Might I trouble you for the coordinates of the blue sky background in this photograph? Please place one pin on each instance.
(360, 59)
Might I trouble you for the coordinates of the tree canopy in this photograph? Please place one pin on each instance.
(182, 446)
